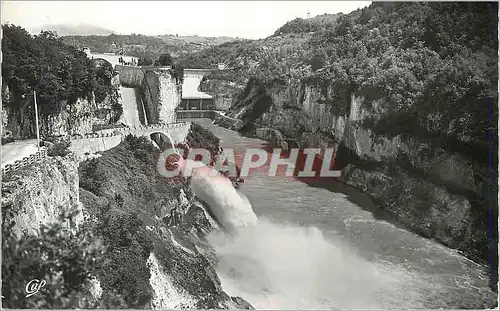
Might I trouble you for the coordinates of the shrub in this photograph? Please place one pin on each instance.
(145, 61)
(64, 259)
(60, 148)
(91, 178)
(164, 60)
(6, 140)
(200, 137)
(117, 110)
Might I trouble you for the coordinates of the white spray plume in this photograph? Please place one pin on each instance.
(230, 208)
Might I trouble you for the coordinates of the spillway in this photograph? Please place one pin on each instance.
(133, 109)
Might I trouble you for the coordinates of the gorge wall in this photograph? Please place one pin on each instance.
(17, 119)
(67, 117)
(163, 226)
(431, 188)
(222, 87)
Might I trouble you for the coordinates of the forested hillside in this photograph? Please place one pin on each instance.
(45, 64)
(418, 60)
(58, 72)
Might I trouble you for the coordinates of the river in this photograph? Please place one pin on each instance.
(314, 248)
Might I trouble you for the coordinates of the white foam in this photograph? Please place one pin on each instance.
(279, 266)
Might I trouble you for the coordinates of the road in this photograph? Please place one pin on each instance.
(17, 150)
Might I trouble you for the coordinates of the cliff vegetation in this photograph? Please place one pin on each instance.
(59, 73)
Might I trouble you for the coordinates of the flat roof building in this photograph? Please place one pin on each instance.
(192, 98)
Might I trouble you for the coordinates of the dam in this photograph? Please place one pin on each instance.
(148, 94)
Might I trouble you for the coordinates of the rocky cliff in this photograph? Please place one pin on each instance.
(37, 194)
(435, 188)
(66, 118)
(223, 87)
(155, 230)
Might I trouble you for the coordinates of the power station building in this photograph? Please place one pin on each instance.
(192, 98)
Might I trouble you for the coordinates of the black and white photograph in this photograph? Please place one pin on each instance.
(273, 155)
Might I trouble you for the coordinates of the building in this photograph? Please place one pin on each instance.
(192, 98)
(198, 103)
(86, 50)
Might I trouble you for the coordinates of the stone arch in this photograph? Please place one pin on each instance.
(100, 60)
(163, 140)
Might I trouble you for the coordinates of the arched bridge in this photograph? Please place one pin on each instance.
(114, 59)
(82, 145)
(107, 139)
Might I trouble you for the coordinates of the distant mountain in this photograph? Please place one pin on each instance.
(74, 30)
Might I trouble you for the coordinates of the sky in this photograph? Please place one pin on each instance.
(243, 19)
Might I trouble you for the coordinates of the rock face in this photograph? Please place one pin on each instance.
(162, 95)
(17, 114)
(103, 112)
(163, 262)
(222, 88)
(37, 194)
(67, 118)
(76, 119)
(437, 192)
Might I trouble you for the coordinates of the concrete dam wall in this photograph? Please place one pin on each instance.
(130, 76)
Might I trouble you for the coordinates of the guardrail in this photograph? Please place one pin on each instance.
(34, 158)
(42, 154)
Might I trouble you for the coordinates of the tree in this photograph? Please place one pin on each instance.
(145, 61)
(164, 60)
(65, 259)
(55, 70)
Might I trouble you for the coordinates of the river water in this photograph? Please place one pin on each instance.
(315, 248)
